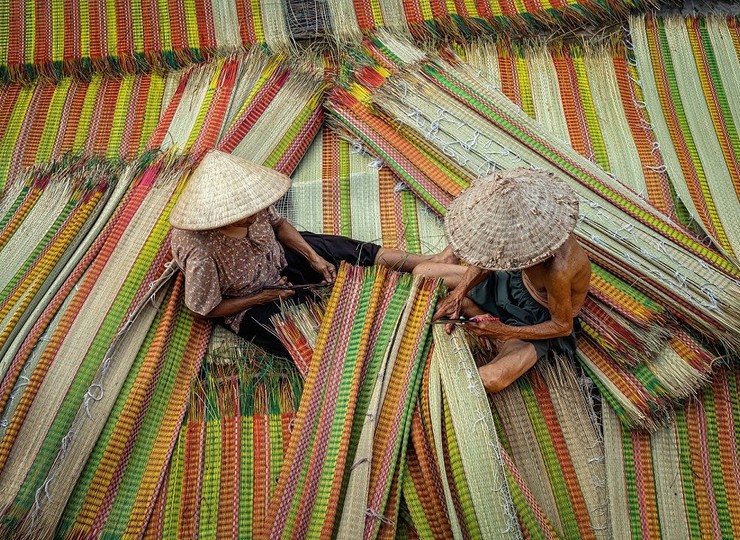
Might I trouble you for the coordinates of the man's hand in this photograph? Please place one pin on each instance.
(324, 267)
(451, 307)
(488, 326)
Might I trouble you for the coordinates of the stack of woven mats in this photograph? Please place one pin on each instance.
(437, 125)
(388, 433)
(53, 40)
(96, 380)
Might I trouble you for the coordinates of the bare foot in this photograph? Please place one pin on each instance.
(446, 256)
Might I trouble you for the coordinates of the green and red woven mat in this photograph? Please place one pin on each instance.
(680, 481)
(687, 69)
(81, 37)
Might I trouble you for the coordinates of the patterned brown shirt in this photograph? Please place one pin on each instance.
(217, 266)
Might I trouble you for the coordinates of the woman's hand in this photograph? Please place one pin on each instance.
(324, 267)
(265, 296)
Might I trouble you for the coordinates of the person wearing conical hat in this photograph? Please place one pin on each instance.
(231, 243)
(527, 276)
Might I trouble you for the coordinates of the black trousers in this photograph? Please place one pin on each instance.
(256, 326)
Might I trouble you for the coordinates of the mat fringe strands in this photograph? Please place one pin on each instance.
(427, 21)
(107, 116)
(687, 71)
(55, 207)
(60, 379)
(680, 481)
(297, 327)
(546, 424)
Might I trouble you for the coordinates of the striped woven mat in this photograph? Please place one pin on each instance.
(230, 449)
(79, 37)
(547, 426)
(680, 481)
(46, 222)
(688, 71)
(584, 94)
(105, 116)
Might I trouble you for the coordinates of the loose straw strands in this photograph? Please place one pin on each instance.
(548, 431)
(297, 327)
(476, 435)
(60, 382)
(679, 481)
(55, 208)
(687, 96)
(112, 117)
(238, 426)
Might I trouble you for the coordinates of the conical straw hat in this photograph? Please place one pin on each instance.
(511, 219)
(224, 189)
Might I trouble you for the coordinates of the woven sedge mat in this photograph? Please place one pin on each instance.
(108, 295)
(547, 427)
(106, 116)
(393, 295)
(52, 41)
(115, 492)
(604, 103)
(476, 435)
(680, 481)
(459, 82)
(49, 220)
(370, 201)
(328, 377)
(425, 487)
(687, 97)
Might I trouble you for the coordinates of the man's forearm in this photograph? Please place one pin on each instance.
(472, 277)
(547, 330)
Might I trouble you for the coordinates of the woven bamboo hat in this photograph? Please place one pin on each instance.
(224, 189)
(512, 219)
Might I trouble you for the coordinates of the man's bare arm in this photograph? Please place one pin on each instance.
(451, 305)
(560, 308)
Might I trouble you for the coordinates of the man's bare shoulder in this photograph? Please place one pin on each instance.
(571, 263)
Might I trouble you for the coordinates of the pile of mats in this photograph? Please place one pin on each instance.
(122, 415)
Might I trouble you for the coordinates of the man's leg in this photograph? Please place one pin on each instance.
(513, 360)
(407, 262)
(450, 274)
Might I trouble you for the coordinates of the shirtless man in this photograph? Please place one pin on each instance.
(522, 294)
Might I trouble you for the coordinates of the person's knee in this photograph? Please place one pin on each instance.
(494, 380)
